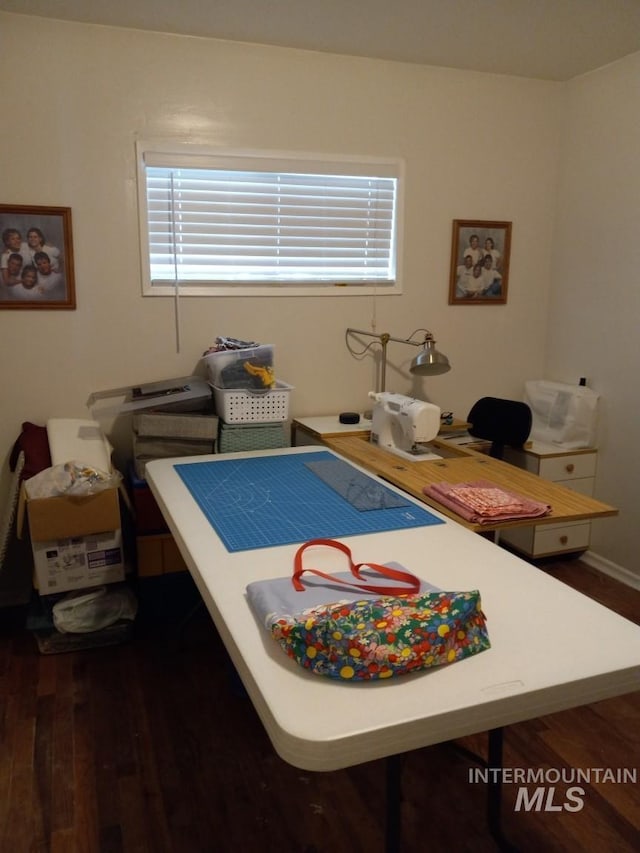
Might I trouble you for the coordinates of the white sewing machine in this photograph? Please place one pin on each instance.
(401, 424)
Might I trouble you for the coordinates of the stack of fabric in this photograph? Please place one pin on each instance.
(482, 502)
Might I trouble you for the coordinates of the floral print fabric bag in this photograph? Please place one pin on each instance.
(382, 621)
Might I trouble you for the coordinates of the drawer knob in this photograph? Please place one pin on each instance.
(564, 540)
(570, 468)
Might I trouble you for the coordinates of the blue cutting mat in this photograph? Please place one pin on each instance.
(263, 501)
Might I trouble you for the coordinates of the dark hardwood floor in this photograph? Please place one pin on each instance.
(151, 746)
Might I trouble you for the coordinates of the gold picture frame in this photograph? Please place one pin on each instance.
(36, 258)
(480, 253)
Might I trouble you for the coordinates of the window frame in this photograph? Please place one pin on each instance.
(195, 156)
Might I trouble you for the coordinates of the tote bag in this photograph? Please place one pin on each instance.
(373, 622)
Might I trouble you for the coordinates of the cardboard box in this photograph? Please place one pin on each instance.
(158, 555)
(78, 562)
(76, 541)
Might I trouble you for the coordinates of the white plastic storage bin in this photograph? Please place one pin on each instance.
(242, 368)
(240, 406)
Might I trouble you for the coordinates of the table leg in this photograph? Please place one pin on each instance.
(393, 828)
(394, 804)
(494, 792)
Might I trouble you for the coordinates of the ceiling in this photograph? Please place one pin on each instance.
(546, 39)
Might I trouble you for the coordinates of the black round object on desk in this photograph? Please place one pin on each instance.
(349, 418)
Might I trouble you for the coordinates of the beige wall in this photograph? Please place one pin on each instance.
(595, 295)
(475, 146)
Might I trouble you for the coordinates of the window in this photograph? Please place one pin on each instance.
(253, 224)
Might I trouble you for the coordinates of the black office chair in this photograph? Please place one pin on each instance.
(502, 422)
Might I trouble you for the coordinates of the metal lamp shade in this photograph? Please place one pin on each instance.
(430, 362)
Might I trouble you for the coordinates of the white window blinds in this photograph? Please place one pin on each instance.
(272, 222)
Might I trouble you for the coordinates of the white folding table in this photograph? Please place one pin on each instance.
(552, 648)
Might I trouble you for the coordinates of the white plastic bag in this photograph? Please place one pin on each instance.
(73, 478)
(92, 609)
(566, 415)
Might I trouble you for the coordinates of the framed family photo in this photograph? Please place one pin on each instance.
(480, 253)
(36, 260)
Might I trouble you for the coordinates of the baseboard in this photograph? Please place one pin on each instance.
(611, 569)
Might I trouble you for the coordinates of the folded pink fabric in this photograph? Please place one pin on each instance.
(482, 502)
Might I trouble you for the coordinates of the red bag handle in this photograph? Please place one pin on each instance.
(413, 583)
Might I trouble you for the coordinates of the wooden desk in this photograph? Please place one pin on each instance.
(319, 428)
(314, 430)
(462, 465)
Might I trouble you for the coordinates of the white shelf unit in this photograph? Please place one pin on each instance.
(575, 469)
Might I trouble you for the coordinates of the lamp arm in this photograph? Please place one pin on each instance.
(428, 362)
(385, 337)
(407, 341)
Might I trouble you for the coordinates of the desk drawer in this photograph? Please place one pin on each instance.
(584, 485)
(546, 539)
(569, 467)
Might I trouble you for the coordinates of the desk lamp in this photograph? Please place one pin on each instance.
(428, 362)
